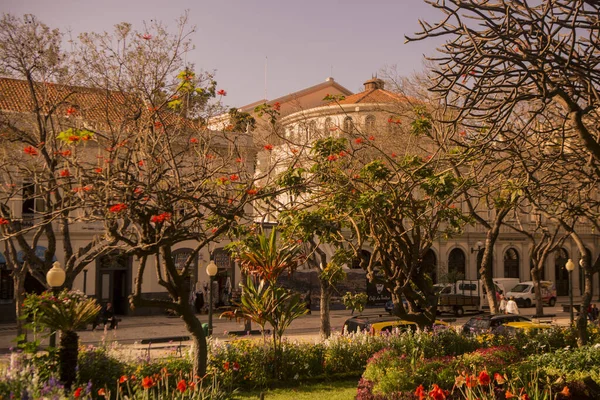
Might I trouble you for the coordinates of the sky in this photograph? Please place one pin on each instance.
(300, 42)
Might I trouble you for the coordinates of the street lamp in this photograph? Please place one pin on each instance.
(570, 266)
(479, 245)
(211, 271)
(55, 277)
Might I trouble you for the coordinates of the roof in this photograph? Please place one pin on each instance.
(90, 104)
(377, 96)
(329, 82)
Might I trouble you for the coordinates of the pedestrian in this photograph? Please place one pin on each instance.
(511, 306)
(502, 305)
(594, 313)
(307, 301)
(109, 316)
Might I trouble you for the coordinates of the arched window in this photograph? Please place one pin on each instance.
(370, 124)
(511, 263)
(348, 125)
(561, 275)
(312, 130)
(457, 264)
(328, 126)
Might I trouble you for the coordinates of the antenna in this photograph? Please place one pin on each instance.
(266, 64)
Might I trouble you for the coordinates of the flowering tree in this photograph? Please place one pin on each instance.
(41, 137)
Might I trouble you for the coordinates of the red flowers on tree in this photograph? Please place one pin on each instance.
(117, 208)
(358, 140)
(277, 106)
(146, 36)
(65, 173)
(4, 221)
(32, 151)
(181, 386)
(222, 93)
(268, 147)
(98, 170)
(233, 177)
(251, 192)
(71, 111)
(194, 140)
(161, 217)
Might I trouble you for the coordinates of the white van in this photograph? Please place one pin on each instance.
(524, 293)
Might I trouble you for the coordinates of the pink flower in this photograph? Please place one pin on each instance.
(146, 36)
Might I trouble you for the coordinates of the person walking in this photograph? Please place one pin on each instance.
(511, 306)
(502, 305)
(594, 313)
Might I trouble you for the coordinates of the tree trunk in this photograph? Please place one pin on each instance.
(582, 338)
(69, 343)
(19, 295)
(326, 291)
(200, 348)
(539, 305)
(486, 268)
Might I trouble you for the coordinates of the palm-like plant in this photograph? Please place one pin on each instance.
(65, 312)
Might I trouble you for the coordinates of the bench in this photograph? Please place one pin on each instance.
(166, 339)
(566, 307)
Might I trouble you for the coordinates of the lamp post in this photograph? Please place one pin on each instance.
(570, 266)
(211, 271)
(479, 245)
(55, 277)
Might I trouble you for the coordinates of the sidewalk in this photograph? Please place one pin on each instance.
(134, 329)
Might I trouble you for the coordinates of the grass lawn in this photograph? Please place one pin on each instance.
(338, 390)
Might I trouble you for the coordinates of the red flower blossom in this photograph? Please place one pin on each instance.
(239, 159)
(229, 201)
(426, 158)
(499, 379)
(194, 140)
(233, 177)
(358, 141)
(160, 217)
(4, 221)
(77, 392)
(332, 157)
(71, 111)
(565, 392)
(117, 208)
(371, 137)
(210, 156)
(252, 192)
(141, 163)
(462, 133)
(74, 138)
(509, 395)
(123, 379)
(146, 36)
(268, 147)
(524, 396)
(222, 93)
(277, 106)
(294, 151)
(101, 392)
(236, 367)
(226, 366)
(222, 179)
(65, 153)
(437, 393)
(342, 153)
(214, 230)
(484, 378)
(394, 155)
(98, 170)
(65, 173)
(181, 386)
(471, 381)
(158, 124)
(138, 190)
(147, 382)
(31, 151)
(420, 392)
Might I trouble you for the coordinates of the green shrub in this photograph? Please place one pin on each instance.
(97, 366)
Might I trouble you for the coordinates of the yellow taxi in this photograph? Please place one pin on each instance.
(378, 324)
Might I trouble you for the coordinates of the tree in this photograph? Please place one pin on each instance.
(502, 54)
(35, 160)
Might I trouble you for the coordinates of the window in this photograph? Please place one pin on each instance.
(6, 282)
(370, 124)
(312, 130)
(511, 263)
(348, 125)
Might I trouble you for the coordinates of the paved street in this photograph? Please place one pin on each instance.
(134, 329)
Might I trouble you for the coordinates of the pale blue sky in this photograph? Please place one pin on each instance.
(303, 40)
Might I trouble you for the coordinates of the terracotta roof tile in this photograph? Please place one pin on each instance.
(378, 96)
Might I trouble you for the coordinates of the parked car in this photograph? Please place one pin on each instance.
(389, 305)
(524, 293)
(377, 324)
(490, 323)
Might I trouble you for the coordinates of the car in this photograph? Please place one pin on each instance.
(389, 305)
(490, 322)
(511, 328)
(377, 324)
